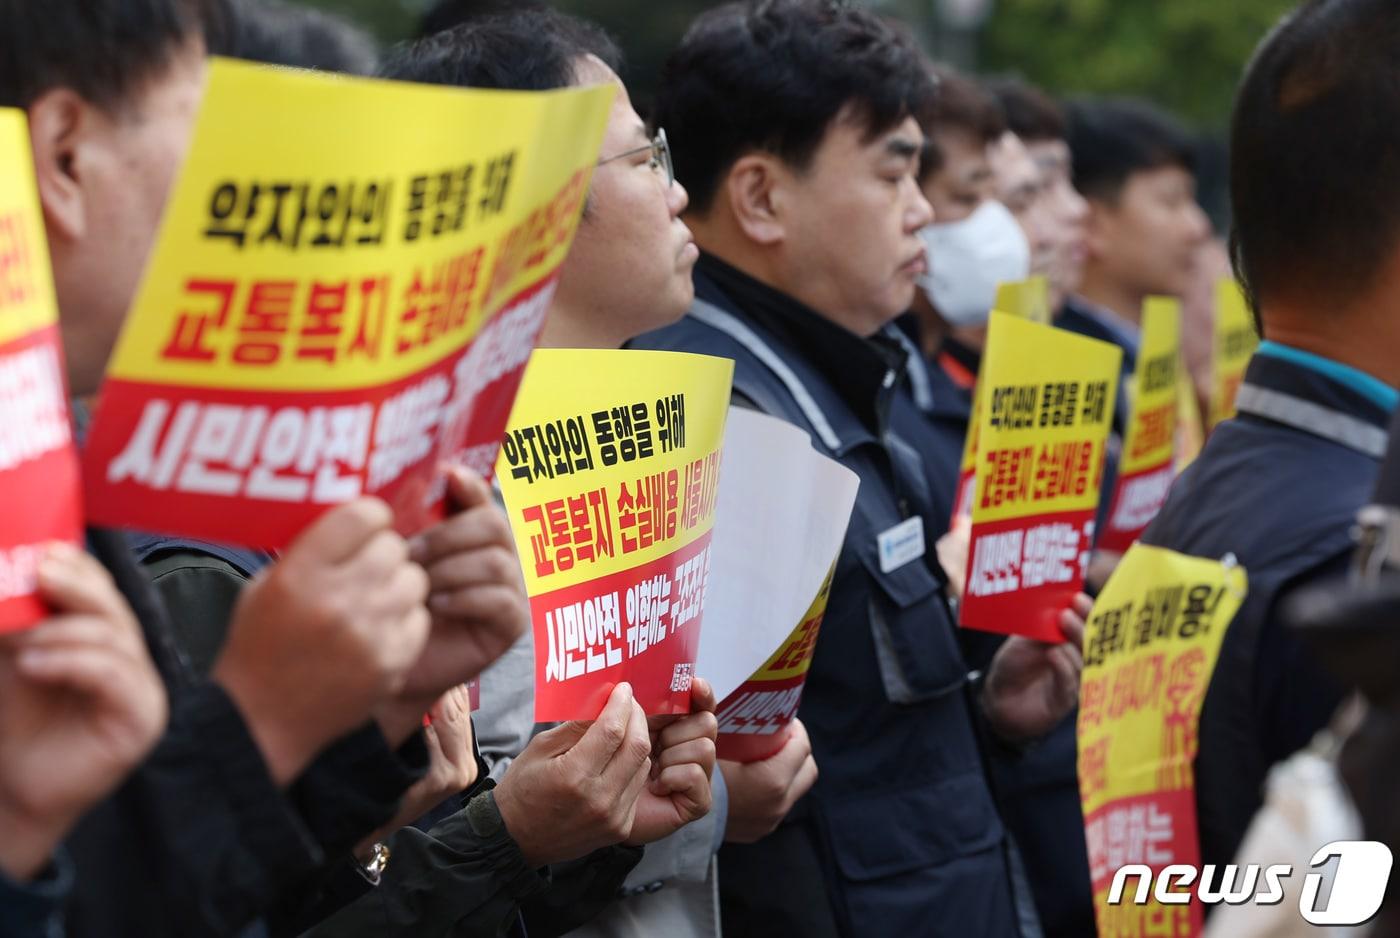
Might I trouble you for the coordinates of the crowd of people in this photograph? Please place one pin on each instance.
(204, 739)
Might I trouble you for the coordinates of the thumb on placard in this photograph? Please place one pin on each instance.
(466, 489)
(339, 534)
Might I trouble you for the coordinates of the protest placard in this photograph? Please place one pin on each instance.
(1150, 647)
(774, 558)
(1147, 466)
(1047, 398)
(1027, 299)
(347, 284)
(1233, 347)
(610, 470)
(39, 481)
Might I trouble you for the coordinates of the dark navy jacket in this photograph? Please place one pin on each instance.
(1039, 791)
(909, 838)
(1279, 487)
(1075, 317)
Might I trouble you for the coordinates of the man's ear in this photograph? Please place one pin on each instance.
(758, 194)
(59, 121)
(1100, 227)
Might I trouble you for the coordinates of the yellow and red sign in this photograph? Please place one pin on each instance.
(1235, 342)
(39, 483)
(346, 287)
(1027, 299)
(1190, 432)
(1147, 467)
(1047, 406)
(754, 720)
(1149, 651)
(610, 469)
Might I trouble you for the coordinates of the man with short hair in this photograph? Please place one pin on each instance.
(277, 32)
(1279, 485)
(274, 765)
(796, 126)
(1136, 168)
(628, 270)
(1040, 124)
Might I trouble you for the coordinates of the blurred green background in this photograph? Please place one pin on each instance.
(1184, 54)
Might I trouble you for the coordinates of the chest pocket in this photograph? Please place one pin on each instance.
(910, 622)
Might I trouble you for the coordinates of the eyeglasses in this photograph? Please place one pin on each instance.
(660, 150)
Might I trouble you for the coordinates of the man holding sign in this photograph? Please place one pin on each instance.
(802, 168)
(1279, 484)
(320, 642)
(567, 792)
(81, 703)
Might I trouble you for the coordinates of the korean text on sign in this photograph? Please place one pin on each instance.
(338, 308)
(1150, 648)
(38, 466)
(1234, 345)
(754, 720)
(1147, 467)
(1027, 299)
(610, 470)
(1046, 406)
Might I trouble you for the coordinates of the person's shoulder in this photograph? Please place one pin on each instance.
(163, 555)
(688, 334)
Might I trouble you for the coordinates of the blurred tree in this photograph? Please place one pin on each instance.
(1184, 54)
(390, 20)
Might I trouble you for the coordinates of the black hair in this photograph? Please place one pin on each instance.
(102, 49)
(448, 13)
(529, 50)
(1030, 113)
(1114, 139)
(960, 104)
(773, 75)
(1315, 154)
(278, 33)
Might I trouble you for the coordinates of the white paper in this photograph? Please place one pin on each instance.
(781, 516)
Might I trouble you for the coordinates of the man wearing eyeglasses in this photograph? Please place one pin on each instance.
(629, 271)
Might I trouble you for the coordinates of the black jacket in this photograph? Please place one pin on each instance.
(199, 840)
(1282, 498)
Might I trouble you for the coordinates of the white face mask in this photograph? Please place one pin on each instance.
(969, 258)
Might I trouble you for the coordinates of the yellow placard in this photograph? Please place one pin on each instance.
(347, 284)
(277, 275)
(38, 465)
(794, 657)
(610, 472)
(1235, 342)
(753, 719)
(1150, 648)
(26, 285)
(1045, 389)
(1047, 407)
(1151, 436)
(590, 420)
(1028, 299)
(1190, 432)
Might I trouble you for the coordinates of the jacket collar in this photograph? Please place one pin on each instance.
(1296, 395)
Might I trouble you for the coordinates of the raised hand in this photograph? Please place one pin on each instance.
(325, 635)
(762, 793)
(574, 789)
(683, 761)
(1032, 686)
(80, 706)
(477, 598)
